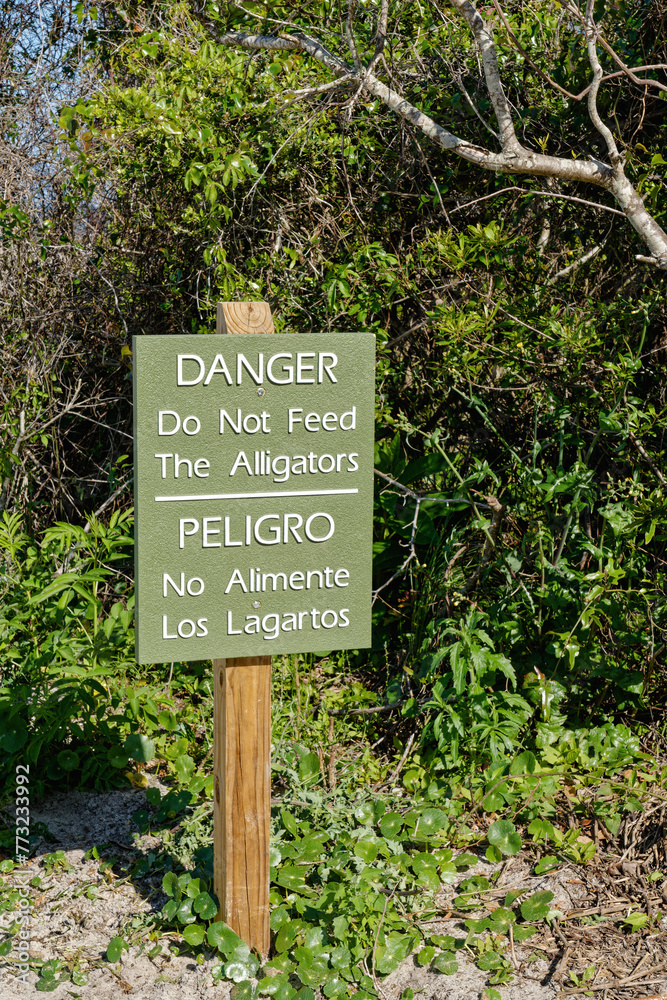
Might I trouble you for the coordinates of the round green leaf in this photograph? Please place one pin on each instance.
(68, 760)
(118, 758)
(502, 834)
(169, 909)
(14, 735)
(275, 857)
(205, 905)
(432, 821)
(445, 963)
(194, 934)
(195, 887)
(525, 763)
(501, 919)
(523, 932)
(167, 720)
(139, 748)
(491, 960)
(285, 992)
(395, 950)
(366, 850)
(241, 991)
(547, 864)
(222, 937)
(115, 948)
(536, 907)
(493, 854)
(426, 955)
(237, 971)
(390, 825)
(304, 956)
(184, 913)
(364, 813)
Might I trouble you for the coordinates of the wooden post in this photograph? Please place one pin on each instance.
(242, 750)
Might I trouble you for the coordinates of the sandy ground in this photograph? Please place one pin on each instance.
(67, 924)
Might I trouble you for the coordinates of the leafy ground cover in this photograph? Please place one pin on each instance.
(372, 847)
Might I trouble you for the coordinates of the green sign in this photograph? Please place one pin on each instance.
(253, 494)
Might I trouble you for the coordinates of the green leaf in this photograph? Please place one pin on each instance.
(115, 948)
(139, 748)
(501, 919)
(426, 955)
(184, 767)
(309, 768)
(489, 961)
(432, 821)
(194, 934)
(184, 912)
(465, 860)
(502, 834)
(493, 854)
(169, 909)
(237, 971)
(14, 736)
(170, 885)
(536, 907)
(294, 878)
(222, 937)
(205, 906)
(525, 763)
(366, 850)
(446, 963)
(364, 813)
(285, 992)
(195, 887)
(241, 991)
(335, 987)
(547, 864)
(523, 931)
(68, 760)
(391, 825)
(270, 985)
(48, 985)
(289, 822)
(396, 948)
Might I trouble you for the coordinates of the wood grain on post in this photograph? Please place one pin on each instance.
(242, 750)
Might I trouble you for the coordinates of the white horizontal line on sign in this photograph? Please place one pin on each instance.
(250, 496)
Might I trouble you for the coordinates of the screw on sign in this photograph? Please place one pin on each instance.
(254, 501)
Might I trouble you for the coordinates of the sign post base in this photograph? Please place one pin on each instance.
(242, 796)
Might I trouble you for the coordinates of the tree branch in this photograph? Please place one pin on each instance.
(487, 48)
(513, 157)
(381, 36)
(591, 45)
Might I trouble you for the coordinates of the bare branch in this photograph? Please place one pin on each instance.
(577, 264)
(381, 36)
(486, 46)
(349, 33)
(540, 194)
(591, 44)
(626, 71)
